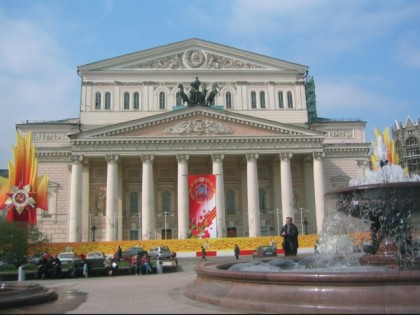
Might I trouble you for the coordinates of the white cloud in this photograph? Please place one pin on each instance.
(35, 81)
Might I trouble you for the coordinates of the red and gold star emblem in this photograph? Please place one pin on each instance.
(23, 192)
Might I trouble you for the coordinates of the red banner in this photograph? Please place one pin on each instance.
(202, 199)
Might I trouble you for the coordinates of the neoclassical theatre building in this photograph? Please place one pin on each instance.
(150, 119)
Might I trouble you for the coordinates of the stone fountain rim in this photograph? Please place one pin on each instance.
(215, 270)
(317, 293)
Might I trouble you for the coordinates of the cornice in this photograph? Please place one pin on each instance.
(193, 144)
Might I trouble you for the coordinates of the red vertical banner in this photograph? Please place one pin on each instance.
(202, 198)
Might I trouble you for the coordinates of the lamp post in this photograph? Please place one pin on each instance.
(278, 220)
(302, 210)
(165, 214)
(93, 228)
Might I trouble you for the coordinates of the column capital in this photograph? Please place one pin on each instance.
(285, 156)
(76, 159)
(111, 158)
(318, 155)
(182, 158)
(216, 157)
(251, 157)
(147, 157)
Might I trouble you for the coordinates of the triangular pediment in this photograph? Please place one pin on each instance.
(198, 121)
(193, 54)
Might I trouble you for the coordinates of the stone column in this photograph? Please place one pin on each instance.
(148, 220)
(111, 198)
(220, 194)
(183, 201)
(319, 187)
(75, 231)
(308, 170)
(286, 186)
(253, 195)
(86, 222)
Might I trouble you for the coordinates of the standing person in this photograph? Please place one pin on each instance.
(290, 237)
(236, 250)
(84, 263)
(42, 268)
(56, 267)
(119, 252)
(136, 264)
(145, 262)
(203, 253)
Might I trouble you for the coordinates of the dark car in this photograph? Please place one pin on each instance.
(130, 252)
(264, 251)
(34, 259)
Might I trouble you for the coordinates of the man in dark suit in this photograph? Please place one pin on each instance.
(290, 237)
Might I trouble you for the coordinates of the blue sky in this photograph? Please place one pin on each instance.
(364, 55)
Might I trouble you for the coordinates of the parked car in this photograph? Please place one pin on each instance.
(264, 251)
(34, 259)
(161, 252)
(130, 252)
(95, 255)
(68, 258)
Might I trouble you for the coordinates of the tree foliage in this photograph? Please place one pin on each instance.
(15, 239)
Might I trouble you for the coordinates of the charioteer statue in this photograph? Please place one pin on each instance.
(196, 96)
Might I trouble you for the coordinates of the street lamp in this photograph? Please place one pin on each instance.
(165, 214)
(93, 228)
(278, 220)
(302, 210)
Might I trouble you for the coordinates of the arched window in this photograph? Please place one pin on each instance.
(98, 97)
(134, 203)
(166, 201)
(178, 99)
(107, 100)
(161, 100)
(253, 100)
(126, 100)
(289, 100)
(280, 99)
(228, 100)
(262, 99)
(230, 201)
(136, 100)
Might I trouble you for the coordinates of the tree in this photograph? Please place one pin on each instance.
(16, 238)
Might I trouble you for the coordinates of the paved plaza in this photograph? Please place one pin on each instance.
(146, 294)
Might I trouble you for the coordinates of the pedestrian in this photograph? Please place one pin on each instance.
(290, 237)
(56, 267)
(119, 252)
(237, 251)
(136, 264)
(203, 253)
(108, 265)
(84, 263)
(145, 262)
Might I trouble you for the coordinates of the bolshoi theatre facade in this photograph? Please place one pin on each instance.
(150, 119)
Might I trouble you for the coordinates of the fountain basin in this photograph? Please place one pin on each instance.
(16, 294)
(378, 292)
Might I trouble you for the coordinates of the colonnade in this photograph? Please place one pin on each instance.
(148, 203)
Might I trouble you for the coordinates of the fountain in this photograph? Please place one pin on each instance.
(382, 276)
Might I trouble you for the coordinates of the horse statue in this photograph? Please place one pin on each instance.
(184, 96)
(212, 94)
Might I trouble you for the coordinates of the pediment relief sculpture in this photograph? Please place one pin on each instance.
(195, 59)
(200, 127)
